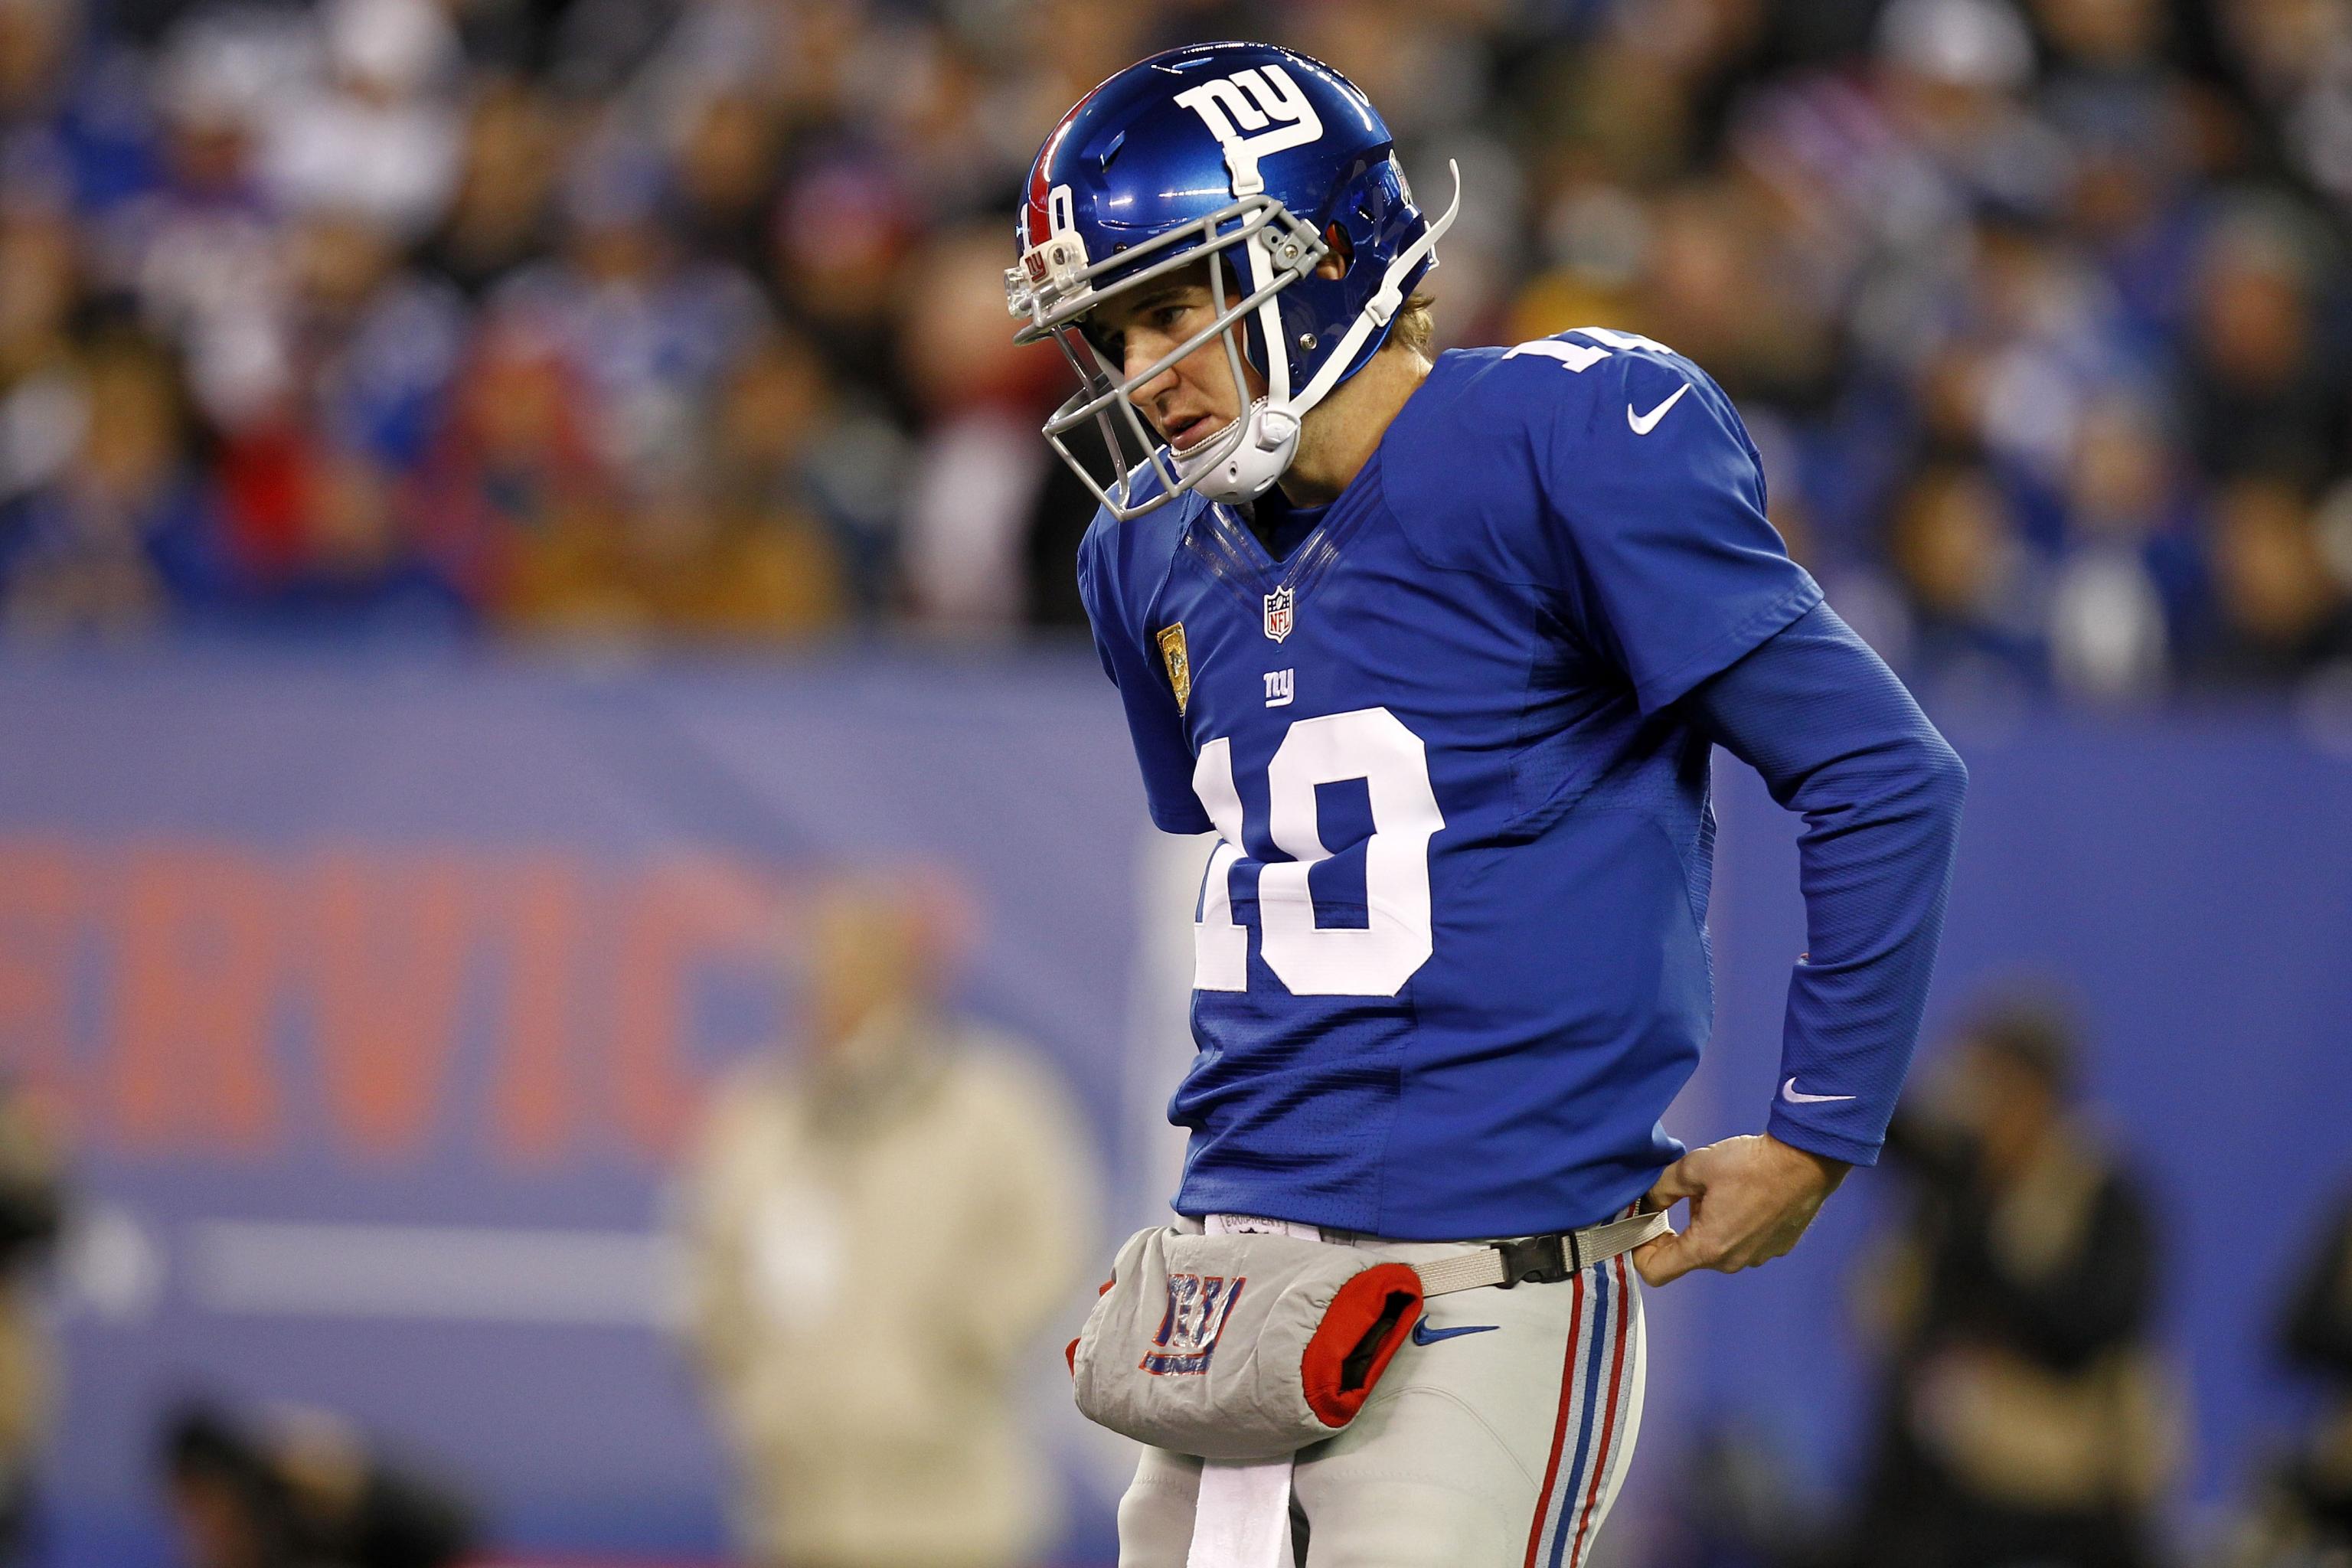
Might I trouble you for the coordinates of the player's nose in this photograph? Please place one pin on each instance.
(1155, 389)
(1142, 353)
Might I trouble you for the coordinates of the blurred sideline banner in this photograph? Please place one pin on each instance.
(377, 997)
(377, 992)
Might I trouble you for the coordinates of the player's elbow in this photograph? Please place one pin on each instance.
(1942, 782)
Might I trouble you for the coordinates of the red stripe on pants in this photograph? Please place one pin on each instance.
(1609, 1415)
(1560, 1425)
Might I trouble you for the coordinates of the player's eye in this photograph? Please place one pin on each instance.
(1110, 347)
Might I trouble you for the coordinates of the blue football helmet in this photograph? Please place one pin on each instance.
(1243, 154)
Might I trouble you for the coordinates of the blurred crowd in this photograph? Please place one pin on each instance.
(682, 318)
(2028, 1412)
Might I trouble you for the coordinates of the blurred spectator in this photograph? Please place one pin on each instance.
(372, 131)
(2110, 616)
(2280, 611)
(2025, 1420)
(301, 1490)
(31, 1210)
(121, 533)
(2269, 386)
(2306, 1517)
(727, 168)
(2297, 58)
(72, 102)
(499, 216)
(646, 327)
(513, 474)
(878, 1229)
(1957, 550)
(982, 468)
(197, 249)
(308, 477)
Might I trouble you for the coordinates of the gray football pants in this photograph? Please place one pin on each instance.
(1500, 1448)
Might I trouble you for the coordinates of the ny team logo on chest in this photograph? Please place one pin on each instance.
(1281, 607)
(1198, 1306)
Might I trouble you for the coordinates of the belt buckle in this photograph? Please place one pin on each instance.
(1536, 1259)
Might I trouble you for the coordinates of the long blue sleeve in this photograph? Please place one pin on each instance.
(1836, 736)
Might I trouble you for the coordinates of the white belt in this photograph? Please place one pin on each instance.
(1242, 1519)
(1543, 1259)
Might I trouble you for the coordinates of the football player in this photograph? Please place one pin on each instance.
(1438, 649)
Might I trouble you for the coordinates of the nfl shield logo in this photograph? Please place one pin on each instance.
(1198, 1305)
(1278, 612)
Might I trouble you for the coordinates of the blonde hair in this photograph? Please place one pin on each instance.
(1414, 328)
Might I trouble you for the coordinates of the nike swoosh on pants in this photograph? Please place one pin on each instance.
(1422, 1334)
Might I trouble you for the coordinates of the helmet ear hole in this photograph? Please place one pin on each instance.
(1342, 257)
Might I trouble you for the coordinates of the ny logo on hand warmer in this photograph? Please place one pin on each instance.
(1198, 1306)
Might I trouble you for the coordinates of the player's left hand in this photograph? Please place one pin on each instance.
(1750, 1199)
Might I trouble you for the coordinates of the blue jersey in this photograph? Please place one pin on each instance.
(1451, 962)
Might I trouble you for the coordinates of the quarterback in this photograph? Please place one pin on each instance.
(1439, 650)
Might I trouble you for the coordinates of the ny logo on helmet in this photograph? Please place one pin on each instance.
(1263, 101)
(1198, 1305)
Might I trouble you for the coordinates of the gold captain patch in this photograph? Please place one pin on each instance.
(1180, 668)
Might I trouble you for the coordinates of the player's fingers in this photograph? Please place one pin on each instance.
(1757, 1247)
(1662, 1259)
(1672, 1185)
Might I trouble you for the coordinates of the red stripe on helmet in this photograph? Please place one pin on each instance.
(1035, 222)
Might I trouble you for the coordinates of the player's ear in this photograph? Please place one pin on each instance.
(1342, 257)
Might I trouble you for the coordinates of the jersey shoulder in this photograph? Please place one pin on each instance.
(1502, 453)
(1585, 385)
(1123, 566)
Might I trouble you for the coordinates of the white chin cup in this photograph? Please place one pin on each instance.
(1240, 465)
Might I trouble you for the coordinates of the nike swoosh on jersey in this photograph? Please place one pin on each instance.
(1789, 1093)
(1422, 1334)
(1644, 424)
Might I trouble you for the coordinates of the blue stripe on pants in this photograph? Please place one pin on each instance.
(1593, 1395)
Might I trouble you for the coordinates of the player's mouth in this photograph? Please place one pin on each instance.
(1189, 430)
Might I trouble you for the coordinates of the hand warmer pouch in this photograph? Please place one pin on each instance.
(1240, 1347)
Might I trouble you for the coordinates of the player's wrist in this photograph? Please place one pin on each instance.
(1826, 1169)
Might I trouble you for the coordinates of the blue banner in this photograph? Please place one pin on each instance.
(377, 993)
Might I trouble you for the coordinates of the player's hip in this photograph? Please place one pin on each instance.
(1498, 1434)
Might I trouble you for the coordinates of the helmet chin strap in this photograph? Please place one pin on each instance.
(1242, 463)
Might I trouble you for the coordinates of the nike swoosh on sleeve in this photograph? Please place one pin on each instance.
(1644, 424)
(1789, 1093)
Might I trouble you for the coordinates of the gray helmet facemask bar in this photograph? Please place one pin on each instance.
(1057, 304)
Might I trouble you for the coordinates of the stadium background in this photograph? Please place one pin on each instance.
(495, 496)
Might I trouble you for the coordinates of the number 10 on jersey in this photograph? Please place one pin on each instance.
(1373, 960)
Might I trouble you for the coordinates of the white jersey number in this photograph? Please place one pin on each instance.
(1581, 357)
(1373, 960)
